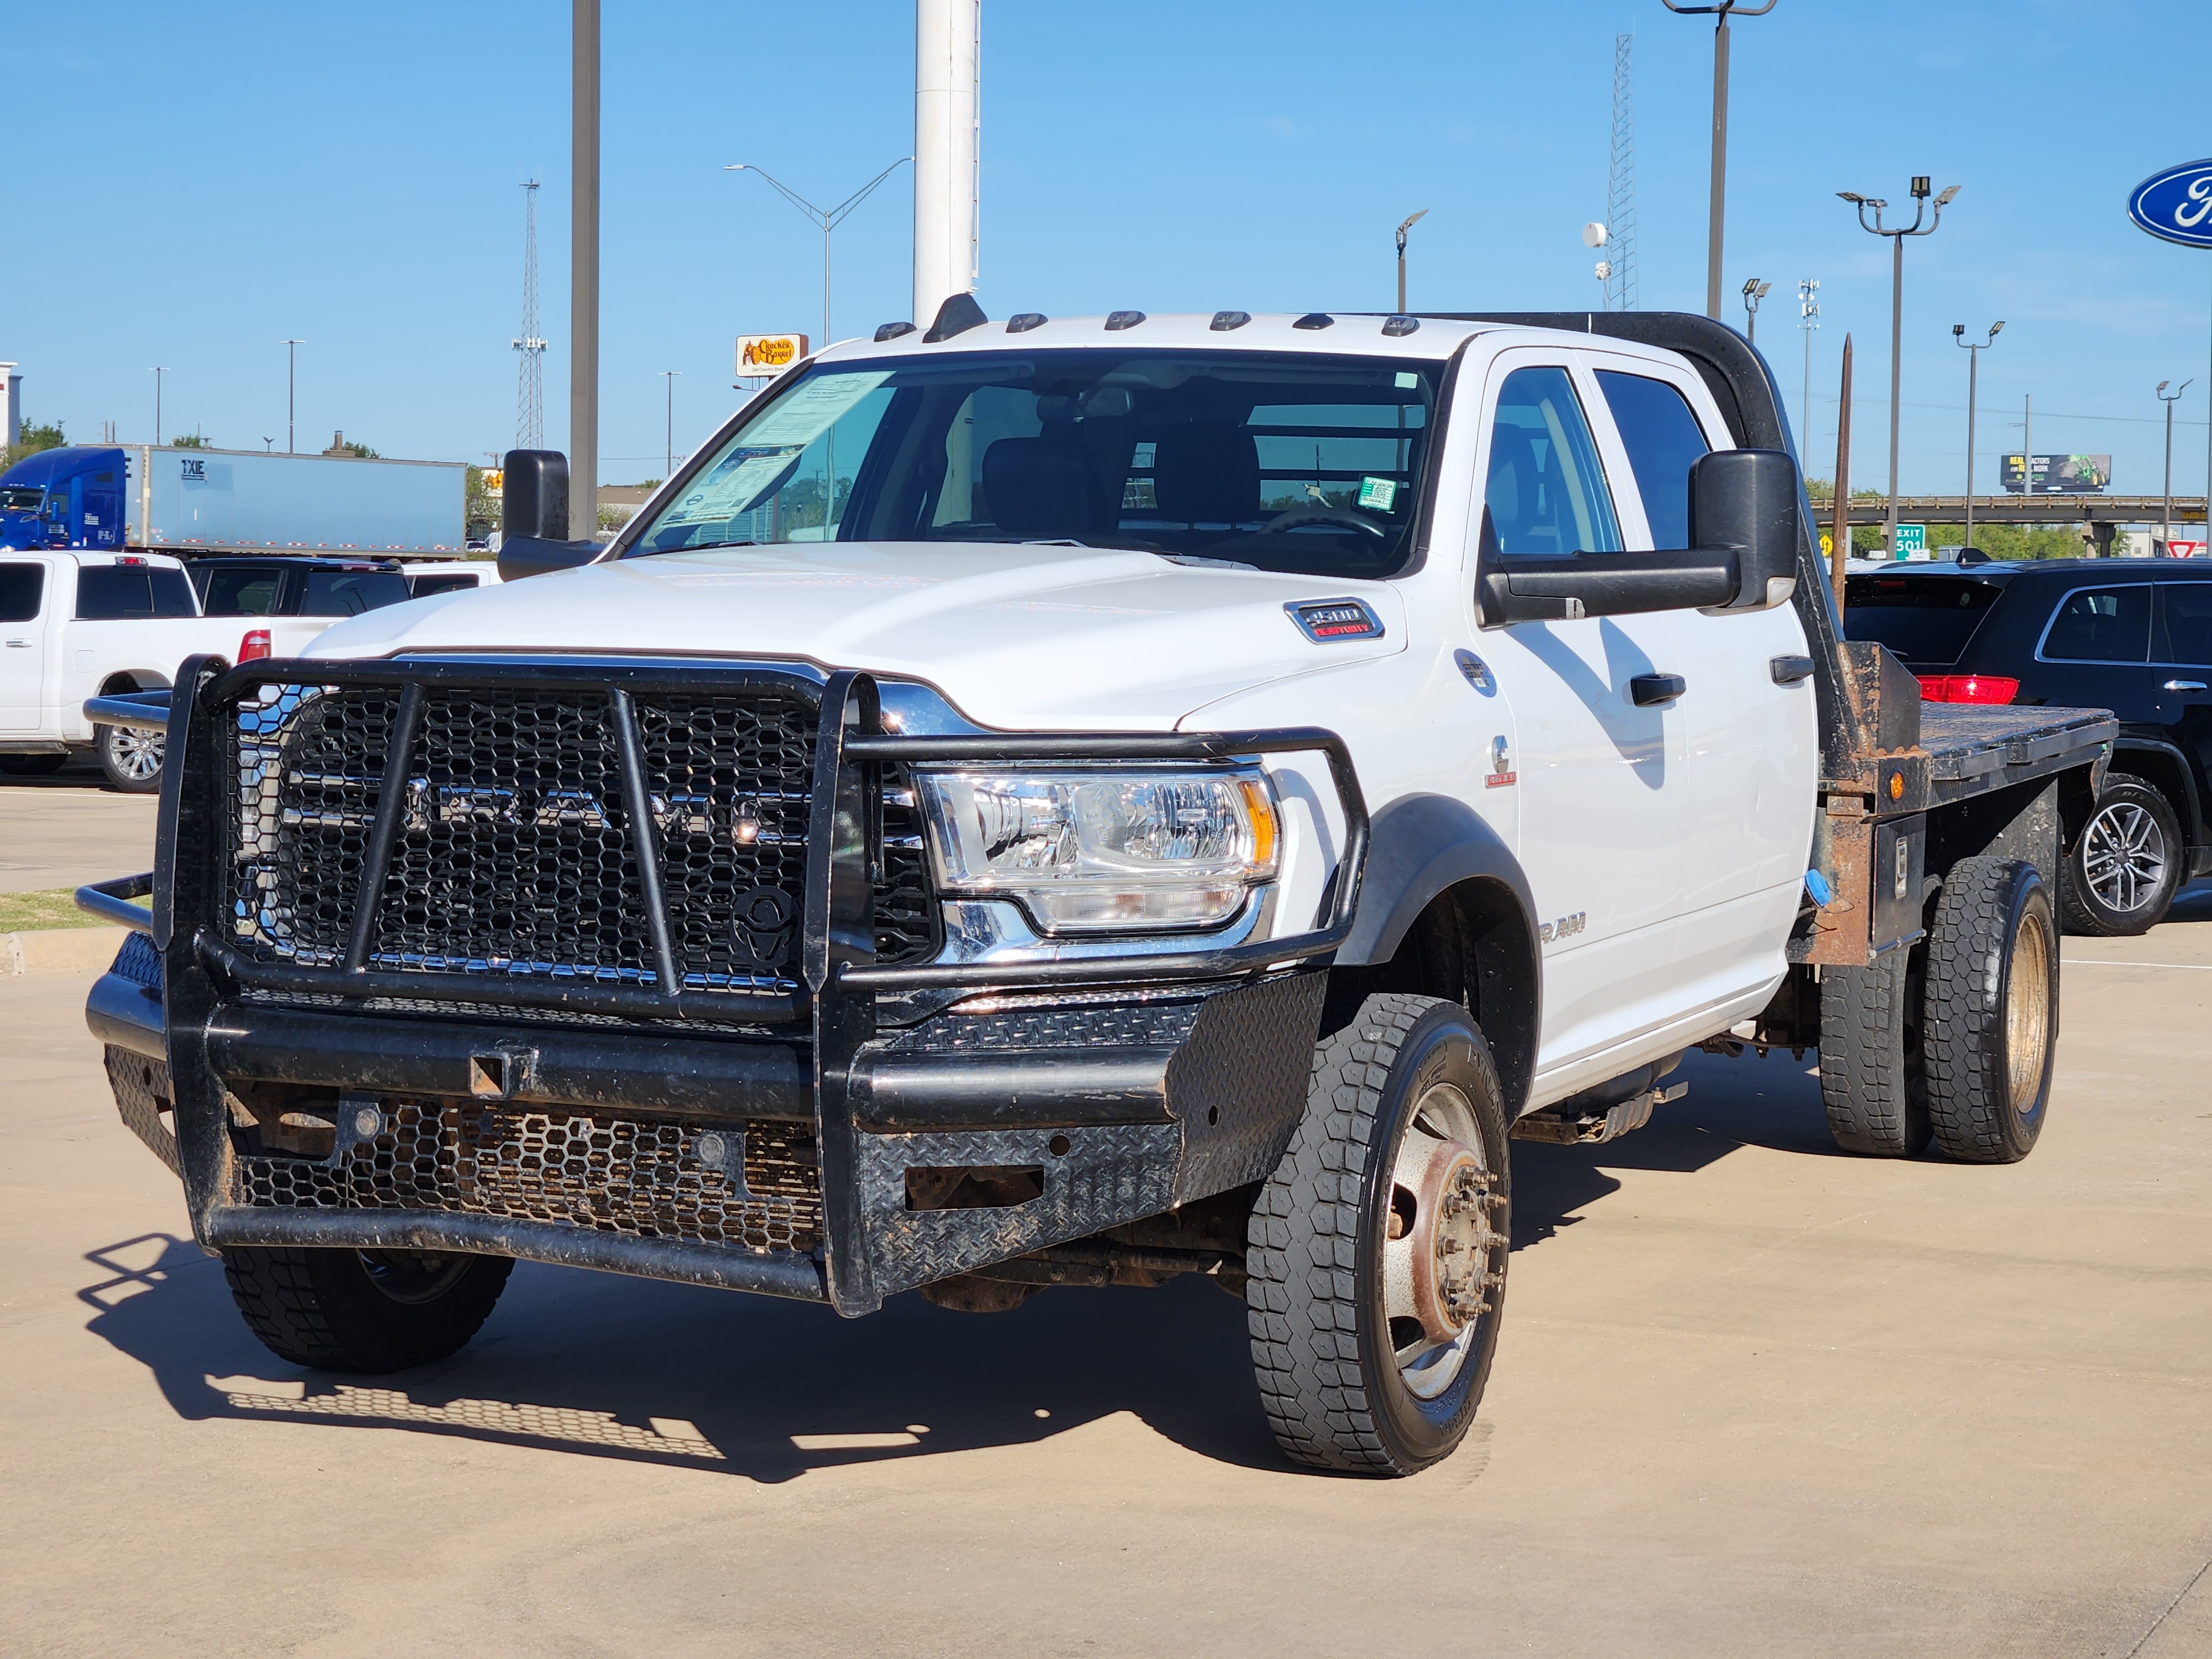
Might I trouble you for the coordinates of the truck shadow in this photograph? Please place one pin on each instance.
(606, 1366)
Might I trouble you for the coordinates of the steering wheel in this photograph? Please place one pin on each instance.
(1319, 514)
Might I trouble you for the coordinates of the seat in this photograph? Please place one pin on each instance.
(1206, 473)
(1039, 488)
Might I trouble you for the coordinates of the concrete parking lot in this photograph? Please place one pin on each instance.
(1753, 1397)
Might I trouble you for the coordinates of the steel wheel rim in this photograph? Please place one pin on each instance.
(2124, 856)
(2027, 1014)
(137, 755)
(1442, 1134)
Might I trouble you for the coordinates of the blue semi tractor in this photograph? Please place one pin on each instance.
(197, 501)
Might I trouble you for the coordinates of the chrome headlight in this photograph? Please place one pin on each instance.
(1105, 851)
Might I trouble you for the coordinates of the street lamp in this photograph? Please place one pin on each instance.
(1406, 224)
(1720, 136)
(1754, 292)
(1974, 351)
(668, 378)
(2169, 403)
(157, 372)
(1808, 318)
(1920, 212)
(828, 218)
(291, 383)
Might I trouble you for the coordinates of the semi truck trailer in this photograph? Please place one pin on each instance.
(188, 502)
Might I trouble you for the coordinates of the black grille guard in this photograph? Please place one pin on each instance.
(839, 975)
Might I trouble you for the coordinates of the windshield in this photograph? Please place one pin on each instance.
(1284, 461)
(20, 498)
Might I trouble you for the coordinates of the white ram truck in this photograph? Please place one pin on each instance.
(1075, 802)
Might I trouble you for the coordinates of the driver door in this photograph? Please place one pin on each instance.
(1600, 769)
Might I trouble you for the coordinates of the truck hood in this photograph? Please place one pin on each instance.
(1017, 636)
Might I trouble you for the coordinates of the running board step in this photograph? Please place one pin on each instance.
(1568, 1127)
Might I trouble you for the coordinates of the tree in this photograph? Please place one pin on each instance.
(191, 441)
(360, 452)
(482, 510)
(35, 438)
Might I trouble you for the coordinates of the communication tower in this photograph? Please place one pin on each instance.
(530, 390)
(1620, 187)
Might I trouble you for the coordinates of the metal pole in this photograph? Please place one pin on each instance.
(1896, 374)
(2167, 535)
(159, 369)
(1719, 208)
(1405, 225)
(1974, 374)
(1840, 511)
(291, 387)
(584, 275)
(2027, 443)
(825, 283)
(668, 377)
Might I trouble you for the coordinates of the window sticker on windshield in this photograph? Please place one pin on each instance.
(1406, 379)
(738, 480)
(1377, 493)
(811, 408)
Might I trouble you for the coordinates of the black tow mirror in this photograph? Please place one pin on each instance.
(534, 516)
(1742, 556)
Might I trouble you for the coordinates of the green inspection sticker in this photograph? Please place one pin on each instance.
(1377, 493)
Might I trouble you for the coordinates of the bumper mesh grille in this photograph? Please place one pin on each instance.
(758, 1188)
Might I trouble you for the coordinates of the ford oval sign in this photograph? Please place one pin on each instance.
(2175, 204)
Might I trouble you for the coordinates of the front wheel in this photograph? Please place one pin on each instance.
(1377, 1248)
(363, 1310)
(131, 759)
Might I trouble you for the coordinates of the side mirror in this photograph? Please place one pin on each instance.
(534, 515)
(1745, 500)
(1743, 556)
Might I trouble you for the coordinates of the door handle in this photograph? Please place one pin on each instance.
(25, 645)
(1647, 691)
(2171, 685)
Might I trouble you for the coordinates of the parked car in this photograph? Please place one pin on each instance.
(1213, 780)
(79, 623)
(2134, 637)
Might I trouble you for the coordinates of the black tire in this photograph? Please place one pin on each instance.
(130, 760)
(1992, 1011)
(1871, 1078)
(2127, 864)
(1407, 1085)
(363, 1310)
(32, 766)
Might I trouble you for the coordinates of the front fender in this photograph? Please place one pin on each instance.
(1421, 846)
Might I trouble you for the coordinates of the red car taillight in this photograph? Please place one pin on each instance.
(1968, 687)
(254, 646)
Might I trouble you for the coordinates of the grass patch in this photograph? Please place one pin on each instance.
(22, 912)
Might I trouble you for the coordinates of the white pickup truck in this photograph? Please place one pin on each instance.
(75, 624)
(1075, 802)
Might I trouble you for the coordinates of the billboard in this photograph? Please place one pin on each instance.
(769, 353)
(2058, 475)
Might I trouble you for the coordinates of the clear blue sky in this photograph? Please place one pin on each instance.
(187, 186)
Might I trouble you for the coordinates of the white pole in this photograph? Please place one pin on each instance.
(946, 39)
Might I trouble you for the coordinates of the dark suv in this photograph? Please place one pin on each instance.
(2134, 636)
(289, 586)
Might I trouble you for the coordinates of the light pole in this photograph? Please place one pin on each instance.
(1410, 220)
(1974, 351)
(291, 383)
(668, 378)
(2169, 403)
(157, 372)
(1720, 136)
(828, 218)
(1897, 301)
(1808, 318)
(1754, 292)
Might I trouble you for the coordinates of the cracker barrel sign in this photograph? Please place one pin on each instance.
(769, 353)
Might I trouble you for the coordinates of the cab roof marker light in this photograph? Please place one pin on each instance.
(892, 332)
(1315, 320)
(1226, 321)
(1398, 327)
(1118, 321)
(1023, 321)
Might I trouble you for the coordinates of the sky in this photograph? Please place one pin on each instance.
(191, 186)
